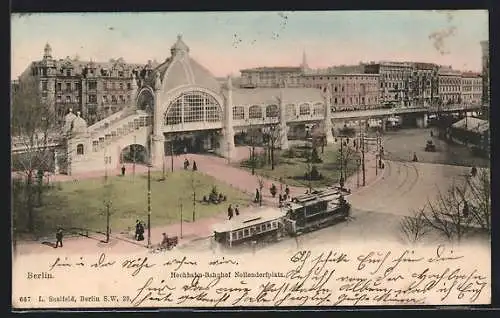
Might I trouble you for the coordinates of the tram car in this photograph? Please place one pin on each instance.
(314, 211)
(268, 224)
(262, 224)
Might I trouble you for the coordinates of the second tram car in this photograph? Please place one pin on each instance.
(303, 214)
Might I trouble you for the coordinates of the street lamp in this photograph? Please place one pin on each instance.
(149, 203)
(107, 201)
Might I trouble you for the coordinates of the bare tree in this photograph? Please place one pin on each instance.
(260, 181)
(478, 196)
(447, 213)
(456, 212)
(195, 184)
(415, 227)
(32, 124)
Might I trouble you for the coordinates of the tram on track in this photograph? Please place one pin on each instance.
(302, 214)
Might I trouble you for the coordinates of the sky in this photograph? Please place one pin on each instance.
(226, 42)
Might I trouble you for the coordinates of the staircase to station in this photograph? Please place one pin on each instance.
(110, 136)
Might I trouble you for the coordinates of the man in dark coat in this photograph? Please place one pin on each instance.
(137, 229)
(237, 210)
(230, 212)
(123, 170)
(59, 237)
(140, 236)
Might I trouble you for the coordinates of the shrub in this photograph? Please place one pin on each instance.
(314, 174)
(314, 157)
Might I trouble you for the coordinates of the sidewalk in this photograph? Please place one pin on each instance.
(213, 166)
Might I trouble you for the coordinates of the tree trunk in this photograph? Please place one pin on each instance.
(29, 202)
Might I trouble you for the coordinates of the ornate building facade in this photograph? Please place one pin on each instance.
(95, 89)
(485, 47)
(450, 86)
(273, 77)
(394, 81)
(471, 88)
(348, 91)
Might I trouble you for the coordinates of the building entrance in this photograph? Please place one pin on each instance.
(205, 141)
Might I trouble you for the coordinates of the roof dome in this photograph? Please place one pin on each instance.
(179, 46)
(180, 69)
(68, 121)
(79, 125)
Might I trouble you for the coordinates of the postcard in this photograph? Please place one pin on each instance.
(250, 159)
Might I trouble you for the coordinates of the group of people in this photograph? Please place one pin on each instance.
(187, 164)
(231, 212)
(282, 197)
(139, 231)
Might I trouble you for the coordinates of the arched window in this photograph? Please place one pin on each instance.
(291, 111)
(238, 112)
(79, 149)
(193, 107)
(318, 109)
(304, 109)
(271, 111)
(254, 112)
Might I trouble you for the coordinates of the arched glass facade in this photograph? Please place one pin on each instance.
(193, 107)
(272, 111)
(304, 109)
(319, 109)
(291, 111)
(255, 112)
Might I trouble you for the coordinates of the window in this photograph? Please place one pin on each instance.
(113, 99)
(59, 99)
(318, 109)
(105, 84)
(77, 99)
(240, 234)
(195, 106)
(92, 98)
(304, 109)
(291, 112)
(238, 112)
(59, 86)
(95, 145)
(68, 72)
(68, 99)
(233, 236)
(343, 101)
(113, 86)
(335, 88)
(44, 86)
(79, 149)
(68, 87)
(246, 232)
(129, 87)
(105, 99)
(335, 100)
(121, 98)
(121, 86)
(92, 85)
(255, 112)
(120, 73)
(271, 111)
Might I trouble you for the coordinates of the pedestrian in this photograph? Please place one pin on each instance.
(59, 237)
(237, 210)
(195, 167)
(415, 159)
(473, 171)
(287, 191)
(140, 236)
(123, 170)
(164, 242)
(230, 212)
(432, 134)
(137, 229)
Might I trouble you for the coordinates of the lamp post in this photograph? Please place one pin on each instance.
(133, 158)
(149, 204)
(363, 158)
(107, 201)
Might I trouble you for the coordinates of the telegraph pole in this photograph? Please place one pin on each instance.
(341, 161)
(180, 204)
(171, 155)
(149, 204)
(363, 158)
(133, 158)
